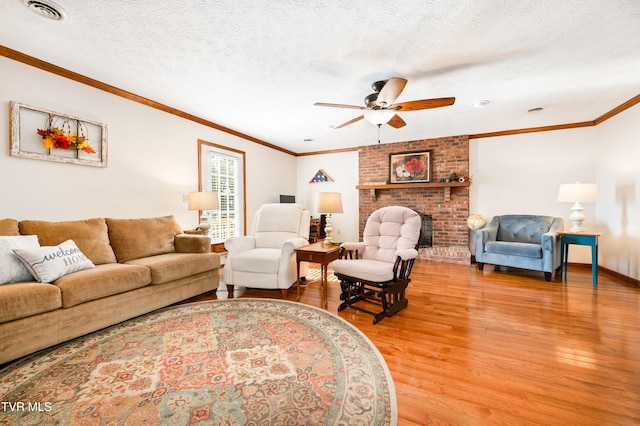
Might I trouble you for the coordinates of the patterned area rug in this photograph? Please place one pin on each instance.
(222, 362)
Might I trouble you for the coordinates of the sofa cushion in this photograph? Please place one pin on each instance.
(173, 266)
(90, 235)
(138, 238)
(514, 249)
(11, 267)
(20, 300)
(101, 281)
(523, 228)
(9, 227)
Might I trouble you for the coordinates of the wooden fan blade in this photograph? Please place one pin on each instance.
(350, 122)
(339, 105)
(423, 104)
(390, 91)
(396, 122)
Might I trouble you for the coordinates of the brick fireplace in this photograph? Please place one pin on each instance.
(448, 205)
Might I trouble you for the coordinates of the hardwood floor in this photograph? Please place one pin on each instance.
(505, 347)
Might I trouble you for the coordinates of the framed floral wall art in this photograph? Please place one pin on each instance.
(47, 135)
(409, 167)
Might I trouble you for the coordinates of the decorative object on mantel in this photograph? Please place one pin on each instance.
(455, 178)
(64, 138)
(408, 167)
(321, 176)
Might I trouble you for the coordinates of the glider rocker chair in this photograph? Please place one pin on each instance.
(521, 241)
(389, 248)
(266, 258)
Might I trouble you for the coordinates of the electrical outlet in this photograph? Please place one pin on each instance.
(185, 198)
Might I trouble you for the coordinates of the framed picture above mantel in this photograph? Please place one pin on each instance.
(42, 134)
(410, 167)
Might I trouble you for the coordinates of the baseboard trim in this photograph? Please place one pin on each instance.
(620, 276)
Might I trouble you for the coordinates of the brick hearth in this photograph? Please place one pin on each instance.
(449, 207)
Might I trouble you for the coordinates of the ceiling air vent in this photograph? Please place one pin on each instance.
(45, 8)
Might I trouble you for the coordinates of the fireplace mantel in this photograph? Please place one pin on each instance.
(446, 186)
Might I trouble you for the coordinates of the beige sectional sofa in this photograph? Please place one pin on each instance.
(139, 265)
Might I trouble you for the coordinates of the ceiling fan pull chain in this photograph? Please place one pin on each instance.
(379, 125)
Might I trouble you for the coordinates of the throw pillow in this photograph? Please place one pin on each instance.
(12, 270)
(49, 263)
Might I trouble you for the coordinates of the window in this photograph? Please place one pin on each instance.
(222, 171)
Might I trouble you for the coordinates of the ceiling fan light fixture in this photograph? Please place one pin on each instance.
(379, 116)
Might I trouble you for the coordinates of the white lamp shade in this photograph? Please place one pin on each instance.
(379, 116)
(329, 202)
(203, 201)
(578, 192)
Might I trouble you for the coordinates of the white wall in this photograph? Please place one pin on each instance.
(618, 207)
(343, 169)
(152, 158)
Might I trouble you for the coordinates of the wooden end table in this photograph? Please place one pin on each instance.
(583, 239)
(320, 253)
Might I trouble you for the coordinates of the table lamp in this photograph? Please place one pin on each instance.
(203, 201)
(577, 193)
(329, 203)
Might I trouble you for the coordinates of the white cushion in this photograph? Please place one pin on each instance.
(277, 223)
(364, 269)
(279, 218)
(12, 270)
(264, 260)
(389, 229)
(49, 263)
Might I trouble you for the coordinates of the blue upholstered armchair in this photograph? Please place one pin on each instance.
(521, 241)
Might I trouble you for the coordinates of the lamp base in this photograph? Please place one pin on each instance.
(327, 230)
(576, 218)
(204, 224)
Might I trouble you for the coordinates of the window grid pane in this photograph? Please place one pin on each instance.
(224, 172)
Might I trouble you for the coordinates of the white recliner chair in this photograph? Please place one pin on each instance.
(266, 258)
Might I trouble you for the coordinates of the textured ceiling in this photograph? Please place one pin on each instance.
(257, 66)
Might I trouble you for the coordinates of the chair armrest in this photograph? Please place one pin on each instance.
(291, 244)
(350, 250)
(486, 234)
(353, 246)
(550, 239)
(240, 244)
(551, 246)
(407, 254)
(187, 243)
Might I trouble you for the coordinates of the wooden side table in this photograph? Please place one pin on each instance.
(583, 239)
(320, 253)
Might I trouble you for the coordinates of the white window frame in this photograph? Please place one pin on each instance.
(231, 196)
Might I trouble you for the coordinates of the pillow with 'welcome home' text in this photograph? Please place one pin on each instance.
(49, 263)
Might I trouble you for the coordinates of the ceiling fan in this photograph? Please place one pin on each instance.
(380, 107)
